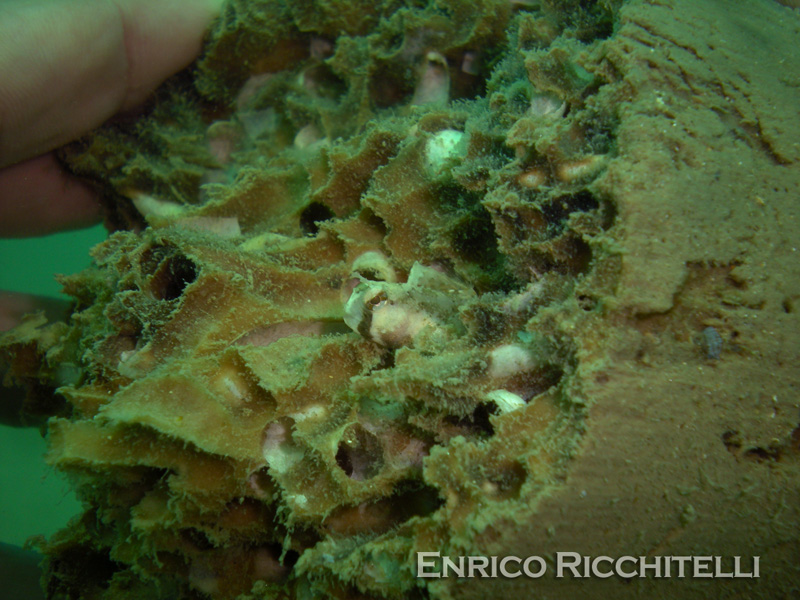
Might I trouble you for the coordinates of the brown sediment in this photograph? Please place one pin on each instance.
(544, 253)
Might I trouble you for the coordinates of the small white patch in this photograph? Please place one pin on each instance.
(354, 307)
(278, 450)
(315, 412)
(444, 150)
(508, 360)
(234, 388)
(506, 401)
(150, 207)
(280, 460)
(395, 326)
(547, 105)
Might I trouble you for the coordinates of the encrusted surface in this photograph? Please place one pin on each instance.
(406, 277)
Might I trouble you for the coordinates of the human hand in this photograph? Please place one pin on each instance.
(66, 66)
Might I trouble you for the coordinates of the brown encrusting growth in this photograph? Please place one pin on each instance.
(500, 278)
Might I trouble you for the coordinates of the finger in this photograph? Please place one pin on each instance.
(38, 197)
(68, 65)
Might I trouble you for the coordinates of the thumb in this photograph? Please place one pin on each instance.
(68, 65)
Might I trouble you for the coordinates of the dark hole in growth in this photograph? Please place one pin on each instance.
(557, 210)
(478, 422)
(474, 238)
(580, 256)
(503, 153)
(475, 241)
(760, 454)
(312, 215)
(360, 454)
(454, 197)
(732, 441)
(587, 303)
(324, 82)
(290, 558)
(391, 85)
(413, 498)
(170, 271)
(533, 382)
(197, 538)
(40, 403)
(589, 20)
(373, 220)
(470, 84)
(386, 360)
(179, 272)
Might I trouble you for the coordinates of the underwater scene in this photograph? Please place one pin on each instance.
(424, 299)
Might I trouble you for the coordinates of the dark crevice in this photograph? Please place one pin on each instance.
(413, 498)
(463, 85)
(557, 210)
(732, 441)
(197, 539)
(170, 271)
(386, 360)
(410, 498)
(177, 273)
(119, 213)
(579, 256)
(587, 303)
(761, 455)
(360, 454)
(374, 221)
(474, 238)
(608, 213)
(290, 559)
(322, 82)
(476, 424)
(532, 383)
(392, 87)
(37, 405)
(312, 215)
(455, 197)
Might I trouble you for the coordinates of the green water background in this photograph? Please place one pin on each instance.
(34, 499)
